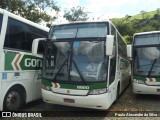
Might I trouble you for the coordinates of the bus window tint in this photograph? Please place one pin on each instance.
(122, 49)
(41, 47)
(151, 39)
(20, 35)
(1, 17)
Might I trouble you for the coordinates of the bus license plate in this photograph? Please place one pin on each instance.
(69, 100)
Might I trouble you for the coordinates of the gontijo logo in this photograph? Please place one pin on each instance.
(33, 62)
(22, 62)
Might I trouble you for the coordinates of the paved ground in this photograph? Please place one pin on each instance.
(128, 104)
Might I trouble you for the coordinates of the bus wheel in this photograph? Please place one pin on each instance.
(13, 100)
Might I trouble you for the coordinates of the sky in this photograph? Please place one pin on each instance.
(106, 9)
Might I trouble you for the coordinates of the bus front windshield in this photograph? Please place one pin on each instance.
(75, 59)
(146, 54)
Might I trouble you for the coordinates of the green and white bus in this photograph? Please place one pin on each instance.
(19, 71)
(145, 62)
(85, 64)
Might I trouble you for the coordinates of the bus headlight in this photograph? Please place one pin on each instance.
(46, 87)
(98, 91)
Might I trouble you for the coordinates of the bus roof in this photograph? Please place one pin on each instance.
(75, 22)
(145, 33)
(9, 14)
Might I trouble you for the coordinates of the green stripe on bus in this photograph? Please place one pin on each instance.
(139, 78)
(157, 79)
(144, 78)
(9, 57)
(74, 86)
(46, 83)
(28, 62)
(91, 86)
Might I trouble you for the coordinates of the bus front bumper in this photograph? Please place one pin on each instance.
(145, 89)
(91, 101)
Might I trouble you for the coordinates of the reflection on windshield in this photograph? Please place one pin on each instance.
(84, 62)
(150, 39)
(147, 61)
(89, 57)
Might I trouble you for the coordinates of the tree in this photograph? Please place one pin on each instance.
(39, 12)
(158, 11)
(34, 10)
(128, 39)
(76, 14)
(143, 13)
(14, 6)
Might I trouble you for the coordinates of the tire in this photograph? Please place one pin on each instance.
(13, 100)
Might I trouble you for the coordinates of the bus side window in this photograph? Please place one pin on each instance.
(112, 69)
(36, 33)
(123, 64)
(113, 60)
(1, 17)
(122, 49)
(15, 35)
(20, 35)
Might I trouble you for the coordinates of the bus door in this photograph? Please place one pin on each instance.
(123, 73)
(112, 83)
(112, 71)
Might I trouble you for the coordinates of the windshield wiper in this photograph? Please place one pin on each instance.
(68, 61)
(138, 62)
(137, 57)
(152, 67)
(56, 74)
(79, 72)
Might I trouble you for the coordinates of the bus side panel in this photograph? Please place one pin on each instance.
(20, 68)
(31, 92)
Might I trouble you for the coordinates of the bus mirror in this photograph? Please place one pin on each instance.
(109, 45)
(129, 51)
(35, 44)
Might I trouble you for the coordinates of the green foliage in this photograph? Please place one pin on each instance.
(14, 6)
(128, 26)
(34, 10)
(76, 14)
(128, 39)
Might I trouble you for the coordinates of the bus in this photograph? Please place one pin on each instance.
(19, 71)
(145, 54)
(84, 64)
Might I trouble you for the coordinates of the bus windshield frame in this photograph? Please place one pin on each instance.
(146, 55)
(71, 58)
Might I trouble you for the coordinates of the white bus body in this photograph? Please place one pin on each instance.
(85, 64)
(19, 71)
(146, 63)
